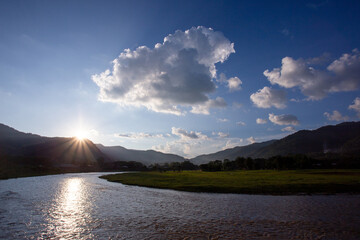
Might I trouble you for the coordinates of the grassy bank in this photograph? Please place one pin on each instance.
(249, 182)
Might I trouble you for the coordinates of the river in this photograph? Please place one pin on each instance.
(82, 206)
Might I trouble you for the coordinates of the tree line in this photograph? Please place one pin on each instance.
(298, 161)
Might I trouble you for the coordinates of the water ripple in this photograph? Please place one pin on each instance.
(82, 206)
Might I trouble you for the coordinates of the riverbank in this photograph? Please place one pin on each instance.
(329, 181)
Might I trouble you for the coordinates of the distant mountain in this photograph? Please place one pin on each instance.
(232, 153)
(118, 153)
(57, 150)
(23, 154)
(342, 139)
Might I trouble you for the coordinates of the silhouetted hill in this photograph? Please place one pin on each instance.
(342, 140)
(232, 153)
(118, 153)
(23, 154)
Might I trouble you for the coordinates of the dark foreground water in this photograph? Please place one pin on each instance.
(82, 206)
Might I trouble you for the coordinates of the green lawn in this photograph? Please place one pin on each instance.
(250, 182)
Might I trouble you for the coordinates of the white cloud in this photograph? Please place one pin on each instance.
(335, 116)
(235, 142)
(221, 134)
(222, 120)
(183, 134)
(356, 106)
(240, 123)
(288, 129)
(211, 103)
(234, 84)
(342, 74)
(174, 74)
(268, 97)
(261, 121)
(140, 135)
(284, 119)
(191, 147)
(251, 140)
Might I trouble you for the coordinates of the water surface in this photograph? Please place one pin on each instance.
(82, 206)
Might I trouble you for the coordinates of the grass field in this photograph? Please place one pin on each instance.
(249, 182)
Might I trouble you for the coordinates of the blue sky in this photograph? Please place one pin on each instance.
(65, 70)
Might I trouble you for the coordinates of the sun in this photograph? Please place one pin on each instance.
(80, 135)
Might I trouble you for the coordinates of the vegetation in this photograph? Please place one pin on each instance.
(298, 161)
(248, 182)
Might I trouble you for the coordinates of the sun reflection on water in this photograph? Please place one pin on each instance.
(70, 215)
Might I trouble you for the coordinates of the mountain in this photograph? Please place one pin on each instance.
(26, 154)
(118, 153)
(342, 139)
(338, 139)
(232, 153)
(23, 154)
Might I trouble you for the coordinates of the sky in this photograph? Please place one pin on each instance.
(183, 77)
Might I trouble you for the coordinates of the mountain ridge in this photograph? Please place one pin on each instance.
(343, 138)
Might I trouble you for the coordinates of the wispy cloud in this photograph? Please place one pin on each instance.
(222, 120)
(240, 123)
(288, 129)
(140, 135)
(335, 116)
(261, 121)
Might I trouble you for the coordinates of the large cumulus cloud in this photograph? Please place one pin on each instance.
(174, 74)
(342, 74)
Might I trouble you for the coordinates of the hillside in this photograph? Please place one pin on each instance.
(340, 140)
(118, 153)
(232, 153)
(25, 154)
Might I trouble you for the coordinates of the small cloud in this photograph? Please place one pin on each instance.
(284, 119)
(295, 100)
(233, 143)
(268, 97)
(233, 83)
(237, 105)
(261, 121)
(356, 106)
(187, 134)
(288, 129)
(335, 116)
(222, 120)
(240, 123)
(140, 135)
(251, 140)
(221, 134)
